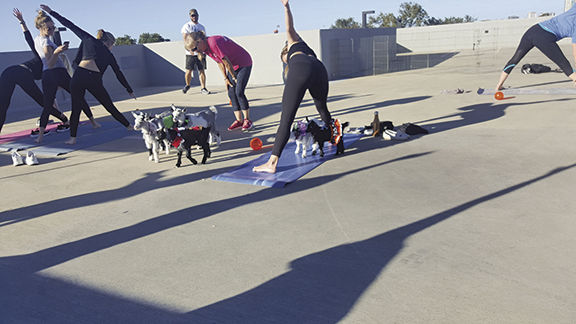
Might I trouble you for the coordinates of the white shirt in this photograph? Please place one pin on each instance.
(40, 43)
(191, 27)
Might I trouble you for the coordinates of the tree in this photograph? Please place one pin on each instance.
(345, 24)
(125, 40)
(449, 20)
(412, 14)
(150, 38)
(383, 20)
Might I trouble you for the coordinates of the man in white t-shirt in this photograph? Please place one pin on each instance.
(194, 60)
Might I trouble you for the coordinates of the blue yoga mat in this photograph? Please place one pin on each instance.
(53, 144)
(290, 166)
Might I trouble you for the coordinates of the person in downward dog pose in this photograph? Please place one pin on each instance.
(54, 72)
(24, 75)
(544, 36)
(303, 72)
(93, 59)
(236, 65)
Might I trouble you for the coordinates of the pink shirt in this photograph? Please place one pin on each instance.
(222, 46)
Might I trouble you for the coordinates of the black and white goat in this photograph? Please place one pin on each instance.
(302, 137)
(323, 134)
(183, 138)
(145, 123)
(205, 118)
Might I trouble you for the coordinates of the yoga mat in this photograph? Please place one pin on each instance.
(530, 91)
(290, 166)
(22, 134)
(53, 144)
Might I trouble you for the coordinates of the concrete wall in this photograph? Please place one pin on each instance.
(345, 53)
(483, 35)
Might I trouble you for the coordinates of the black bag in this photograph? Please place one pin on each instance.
(535, 68)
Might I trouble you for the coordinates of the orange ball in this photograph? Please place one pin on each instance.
(499, 95)
(256, 143)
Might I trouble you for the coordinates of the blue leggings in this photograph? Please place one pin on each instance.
(543, 40)
(236, 94)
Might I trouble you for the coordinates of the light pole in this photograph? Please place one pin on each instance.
(364, 14)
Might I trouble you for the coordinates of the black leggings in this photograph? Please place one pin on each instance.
(304, 73)
(22, 76)
(83, 80)
(543, 40)
(51, 80)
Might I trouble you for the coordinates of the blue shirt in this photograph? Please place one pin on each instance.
(563, 25)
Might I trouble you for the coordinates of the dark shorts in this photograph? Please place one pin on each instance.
(192, 61)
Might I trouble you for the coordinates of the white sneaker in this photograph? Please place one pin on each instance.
(395, 135)
(16, 158)
(31, 158)
(205, 91)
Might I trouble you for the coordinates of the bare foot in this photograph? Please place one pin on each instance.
(40, 135)
(71, 141)
(268, 167)
(95, 124)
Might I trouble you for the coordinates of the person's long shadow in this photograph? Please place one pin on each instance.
(150, 181)
(321, 287)
(474, 114)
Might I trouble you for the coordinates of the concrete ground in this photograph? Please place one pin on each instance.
(473, 223)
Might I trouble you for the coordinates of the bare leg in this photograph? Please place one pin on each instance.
(202, 78)
(503, 77)
(268, 167)
(238, 115)
(246, 114)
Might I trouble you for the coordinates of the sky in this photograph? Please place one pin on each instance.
(235, 17)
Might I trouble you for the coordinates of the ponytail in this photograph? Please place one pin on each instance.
(105, 37)
(41, 19)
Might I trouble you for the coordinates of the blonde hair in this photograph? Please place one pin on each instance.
(105, 37)
(42, 19)
(191, 39)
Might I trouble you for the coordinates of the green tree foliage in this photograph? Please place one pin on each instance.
(345, 24)
(410, 14)
(382, 21)
(150, 38)
(125, 40)
(449, 20)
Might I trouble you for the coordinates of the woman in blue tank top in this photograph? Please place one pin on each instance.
(544, 37)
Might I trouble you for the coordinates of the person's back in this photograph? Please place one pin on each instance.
(563, 25)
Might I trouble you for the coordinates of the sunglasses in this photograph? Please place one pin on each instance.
(193, 15)
(51, 28)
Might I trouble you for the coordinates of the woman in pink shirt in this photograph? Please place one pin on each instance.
(236, 65)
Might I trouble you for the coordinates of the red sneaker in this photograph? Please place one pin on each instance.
(247, 125)
(235, 124)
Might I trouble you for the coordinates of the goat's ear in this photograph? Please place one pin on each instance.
(307, 120)
(173, 107)
(135, 114)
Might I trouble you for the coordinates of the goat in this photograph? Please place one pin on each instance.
(205, 118)
(302, 137)
(144, 123)
(183, 139)
(322, 135)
